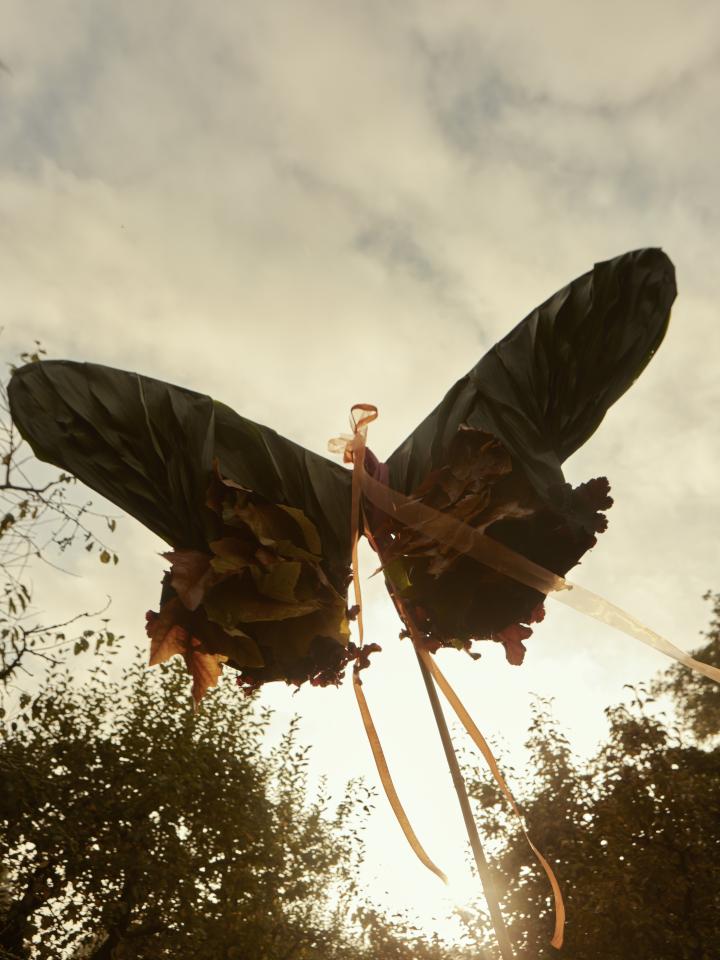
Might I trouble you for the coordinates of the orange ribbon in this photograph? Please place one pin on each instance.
(484, 748)
(353, 450)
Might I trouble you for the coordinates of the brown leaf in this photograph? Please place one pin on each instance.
(169, 637)
(205, 669)
(167, 634)
(232, 554)
(512, 639)
(190, 575)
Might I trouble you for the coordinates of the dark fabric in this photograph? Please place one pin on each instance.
(545, 387)
(149, 447)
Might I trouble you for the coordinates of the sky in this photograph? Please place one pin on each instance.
(299, 205)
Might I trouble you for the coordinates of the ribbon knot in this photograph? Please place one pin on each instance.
(350, 444)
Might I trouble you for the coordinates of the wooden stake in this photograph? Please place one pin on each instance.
(496, 916)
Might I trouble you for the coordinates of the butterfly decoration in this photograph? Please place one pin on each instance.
(259, 528)
(261, 532)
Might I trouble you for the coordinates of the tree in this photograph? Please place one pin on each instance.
(131, 827)
(634, 833)
(40, 519)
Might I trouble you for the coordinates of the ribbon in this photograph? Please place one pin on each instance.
(353, 449)
(466, 539)
(479, 740)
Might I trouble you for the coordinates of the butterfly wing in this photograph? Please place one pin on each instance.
(149, 447)
(259, 526)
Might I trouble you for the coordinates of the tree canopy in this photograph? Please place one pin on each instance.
(131, 827)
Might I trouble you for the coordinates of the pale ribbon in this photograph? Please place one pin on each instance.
(466, 539)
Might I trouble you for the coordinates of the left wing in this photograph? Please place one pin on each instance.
(259, 526)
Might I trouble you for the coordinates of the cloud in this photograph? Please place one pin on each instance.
(298, 205)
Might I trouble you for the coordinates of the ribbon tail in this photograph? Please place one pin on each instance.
(388, 785)
(482, 745)
(595, 606)
(356, 453)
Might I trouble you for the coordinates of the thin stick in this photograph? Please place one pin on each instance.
(496, 916)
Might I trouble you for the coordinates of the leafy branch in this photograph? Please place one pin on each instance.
(40, 520)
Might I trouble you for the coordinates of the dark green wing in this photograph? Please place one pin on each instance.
(149, 447)
(546, 386)
(541, 392)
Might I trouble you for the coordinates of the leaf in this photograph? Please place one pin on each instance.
(279, 581)
(168, 637)
(286, 548)
(236, 601)
(290, 639)
(231, 554)
(205, 669)
(190, 575)
(308, 528)
(243, 649)
(396, 572)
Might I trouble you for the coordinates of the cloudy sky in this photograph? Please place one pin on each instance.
(299, 205)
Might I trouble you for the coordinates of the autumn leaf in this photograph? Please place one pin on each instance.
(237, 601)
(512, 639)
(169, 637)
(190, 575)
(279, 582)
(205, 669)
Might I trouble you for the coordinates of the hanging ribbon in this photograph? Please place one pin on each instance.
(479, 740)
(466, 539)
(352, 448)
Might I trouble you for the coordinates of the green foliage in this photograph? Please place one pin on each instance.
(128, 821)
(130, 827)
